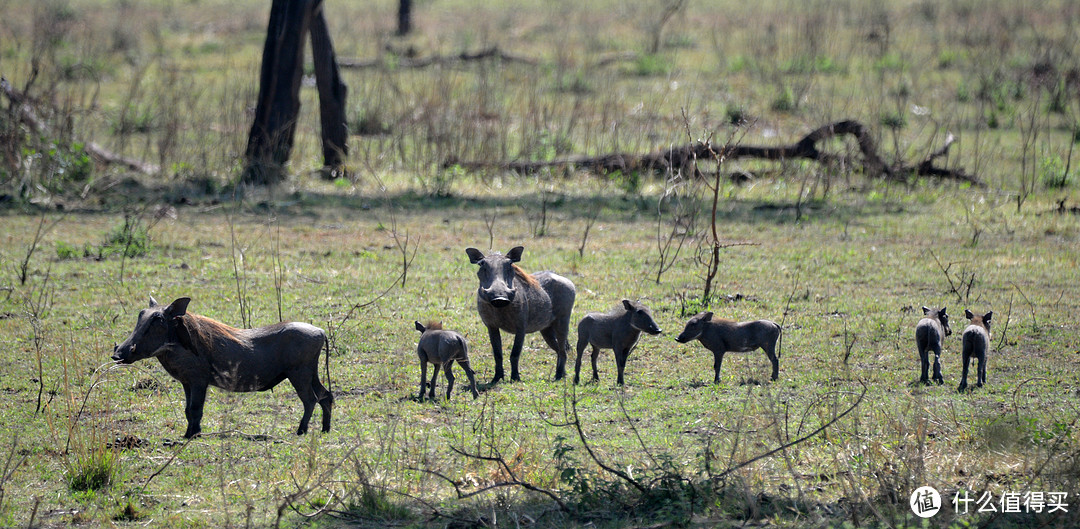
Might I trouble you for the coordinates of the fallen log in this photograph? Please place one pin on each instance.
(684, 157)
(26, 113)
(408, 62)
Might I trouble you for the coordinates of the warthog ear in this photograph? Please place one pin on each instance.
(419, 326)
(475, 256)
(968, 314)
(987, 316)
(707, 316)
(925, 310)
(153, 302)
(178, 307)
(942, 314)
(627, 304)
(515, 254)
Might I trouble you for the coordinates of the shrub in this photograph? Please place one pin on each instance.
(131, 239)
(1053, 174)
(784, 101)
(893, 120)
(647, 65)
(92, 468)
(65, 251)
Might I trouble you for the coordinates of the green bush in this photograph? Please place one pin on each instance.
(65, 251)
(647, 65)
(1053, 174)
(784, 101)
(893, 120)
(131, 239)
(92, 469)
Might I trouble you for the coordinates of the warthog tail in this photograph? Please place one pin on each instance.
(326, 345)
(779, 342)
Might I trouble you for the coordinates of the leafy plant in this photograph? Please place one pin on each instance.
(130, 239)
(92, 468)
(649, 65)
(1054, 173)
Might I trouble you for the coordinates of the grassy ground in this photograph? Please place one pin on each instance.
(844, 262)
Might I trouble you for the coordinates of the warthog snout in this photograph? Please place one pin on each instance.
(123, 357)
(499, 300)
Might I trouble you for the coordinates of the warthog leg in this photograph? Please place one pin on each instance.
(620, 362)
(194, 398)
(434, 376)
(304, 390)
(448, 371)
(924, 362)
(964, 372)
(937, 368)
(470, 375)
(718, 358)
(770, 351)
(557, 342)
(423, 380)
(326, 401)
(496, 351)
(515, 354)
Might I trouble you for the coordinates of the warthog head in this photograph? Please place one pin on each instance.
(694, 327)
(983, 320)
(640, 317)
(497, 275)
(941, 316)
(156, 327)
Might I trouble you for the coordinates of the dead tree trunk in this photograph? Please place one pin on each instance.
(278, 106)
(332, 95)
(404, 17)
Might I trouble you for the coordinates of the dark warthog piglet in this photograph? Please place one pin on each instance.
(976, 343)
(442, 348)
(618, 330)
(201, 352)
(514, 301)
(930, 333)
(720, 336)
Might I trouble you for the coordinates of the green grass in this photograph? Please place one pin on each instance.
(845, 262)
(855, 270)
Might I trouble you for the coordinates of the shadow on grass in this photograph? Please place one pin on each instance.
(608, 204)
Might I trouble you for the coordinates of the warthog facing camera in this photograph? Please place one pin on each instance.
(513, 301)
(930, 332)
(201, 352)
(442, 348)
(976, 343)
(720, 336)
(618, 330)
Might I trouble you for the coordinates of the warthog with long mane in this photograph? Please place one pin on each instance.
(201, 352)
(514, 301)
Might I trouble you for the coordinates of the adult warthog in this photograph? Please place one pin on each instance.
(976, 343)
(441, 348)
(720, 336)
(514, 301)
(618, 329)
(930, 332)
(201, 352)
